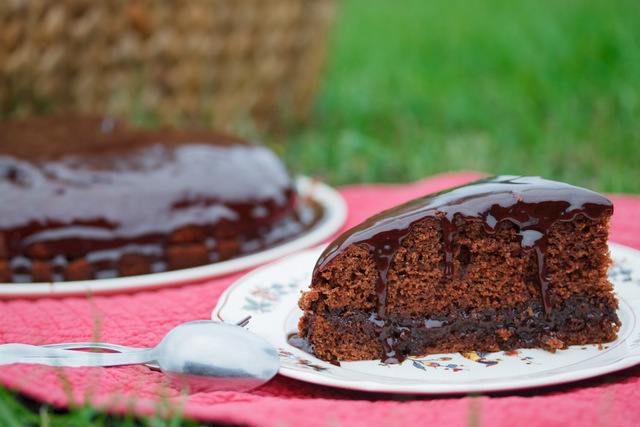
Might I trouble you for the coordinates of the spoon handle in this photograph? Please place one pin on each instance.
(100, 346)
(93, 346)
(25, 353)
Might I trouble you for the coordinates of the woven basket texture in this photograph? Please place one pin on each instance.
(209, 62)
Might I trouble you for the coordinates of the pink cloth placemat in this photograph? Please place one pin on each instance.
(142, 319)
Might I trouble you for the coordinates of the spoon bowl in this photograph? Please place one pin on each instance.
(228, 357)
(202, 355)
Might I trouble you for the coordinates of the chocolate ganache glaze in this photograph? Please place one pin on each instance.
(95, 189)
(533, 204)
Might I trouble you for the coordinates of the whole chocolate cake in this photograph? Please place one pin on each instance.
(502, 263)
(90, 198)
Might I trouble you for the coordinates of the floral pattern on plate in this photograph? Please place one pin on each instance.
(270, 295)
(265, 297)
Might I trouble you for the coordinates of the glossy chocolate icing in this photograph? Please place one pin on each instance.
(121, 191)
(533, 204)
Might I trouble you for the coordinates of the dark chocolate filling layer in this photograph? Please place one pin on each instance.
(505, 329)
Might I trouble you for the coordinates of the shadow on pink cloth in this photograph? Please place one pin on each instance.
(142, 319)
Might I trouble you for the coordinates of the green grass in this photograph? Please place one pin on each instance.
(417, 87)
(536, 87)
(18, 411)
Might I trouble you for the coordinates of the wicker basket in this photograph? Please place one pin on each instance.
(212, 62)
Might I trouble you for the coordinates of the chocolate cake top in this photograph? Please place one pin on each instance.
(534, 204)
(49, 137)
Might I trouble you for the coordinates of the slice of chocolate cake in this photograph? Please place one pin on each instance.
(502, 263)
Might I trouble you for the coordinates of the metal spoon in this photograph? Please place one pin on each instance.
(202, 355)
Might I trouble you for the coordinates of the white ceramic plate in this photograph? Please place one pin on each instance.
(270, 294)
(335, 213)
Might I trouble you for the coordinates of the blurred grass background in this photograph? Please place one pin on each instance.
(414, 88)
